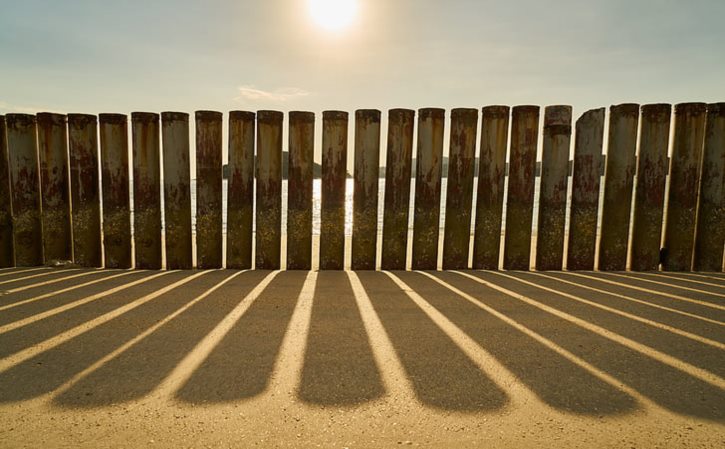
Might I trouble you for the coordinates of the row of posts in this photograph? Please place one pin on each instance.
(50, 192)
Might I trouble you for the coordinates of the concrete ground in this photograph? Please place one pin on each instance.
(225, 358)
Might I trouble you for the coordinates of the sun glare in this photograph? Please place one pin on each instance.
(333, 15)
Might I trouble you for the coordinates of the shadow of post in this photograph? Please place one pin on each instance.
(442, 375)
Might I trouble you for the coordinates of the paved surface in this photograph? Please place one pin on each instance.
(361, 359)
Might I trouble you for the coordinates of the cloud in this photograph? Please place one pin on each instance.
(279, 95)
(8, 108)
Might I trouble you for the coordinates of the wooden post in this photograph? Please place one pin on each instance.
(146, 190)
(25, 189)
(459, 196)
(491, 174)
(334, 171)
(84, 188)
(177, 190)
(687, 144)
(522, 169)
(269, 189)
(711, 212)
(240, 190)
(54, 185)
(299, 190)
(429, 165)
(208, 189)
(365, 193)
(397, 188)
(115, 189)
(553, 191)
(585, 190)
(618, 182)
(650, 192)
(7, 258)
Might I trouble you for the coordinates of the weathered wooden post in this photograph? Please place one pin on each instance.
(522, 170)
(54, 185)
(687, 141)
(208, 189)
(618, 182)
(6, 217)
(553, 191)
(146, 190)
(84, 188)
(177, 190)
(240, 190)
(585, 190)
(115, 189)
(650, 192)
(299, 190)
(491, 174)
(459, 196)
(711, 211)
(334, 171)
(429, 166)
(269, 190)
(397, 188)
(365, 193)
(25, 189)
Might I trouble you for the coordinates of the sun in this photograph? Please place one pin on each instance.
(333, 15)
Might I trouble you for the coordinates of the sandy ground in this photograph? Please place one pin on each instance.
(367, 359)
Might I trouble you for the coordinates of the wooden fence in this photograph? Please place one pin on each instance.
(51, 194)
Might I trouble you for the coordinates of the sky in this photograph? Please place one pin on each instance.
(120, 56)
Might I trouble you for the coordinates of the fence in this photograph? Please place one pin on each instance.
(51, 194)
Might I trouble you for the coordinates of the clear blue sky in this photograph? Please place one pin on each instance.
(120, 56)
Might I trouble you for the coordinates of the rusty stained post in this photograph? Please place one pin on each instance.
(553, 191)
(334, 171)
(459, 191)
(429, 166)
(491, 174)
(209, 189)
(397, 188)
(618, 182)
(522, 170)
(6, 216)
(146, 190)
(84, 188)
(269, 190)
(177, 190)
(650, 192)
(365, 193)
(299, 190)
(240, 190)
(585, 190)
(115, 190)
(687, 141)
(54, 186)
(710, 236)
(25, 189)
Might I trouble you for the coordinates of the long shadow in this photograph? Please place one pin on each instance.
(12, 282)
(137, 371)
(555, 379)
(48, 370)
(7, 298)
(673, 279)
(240, 366)
(667, 386)
(685, 349)
(442, 375)
(684, 306)
(22, 311)
(339, 367)
(38, 331)
(687, 323)
(641, 281)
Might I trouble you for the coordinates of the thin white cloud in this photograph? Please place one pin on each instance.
(279, 95)
(8, 108)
